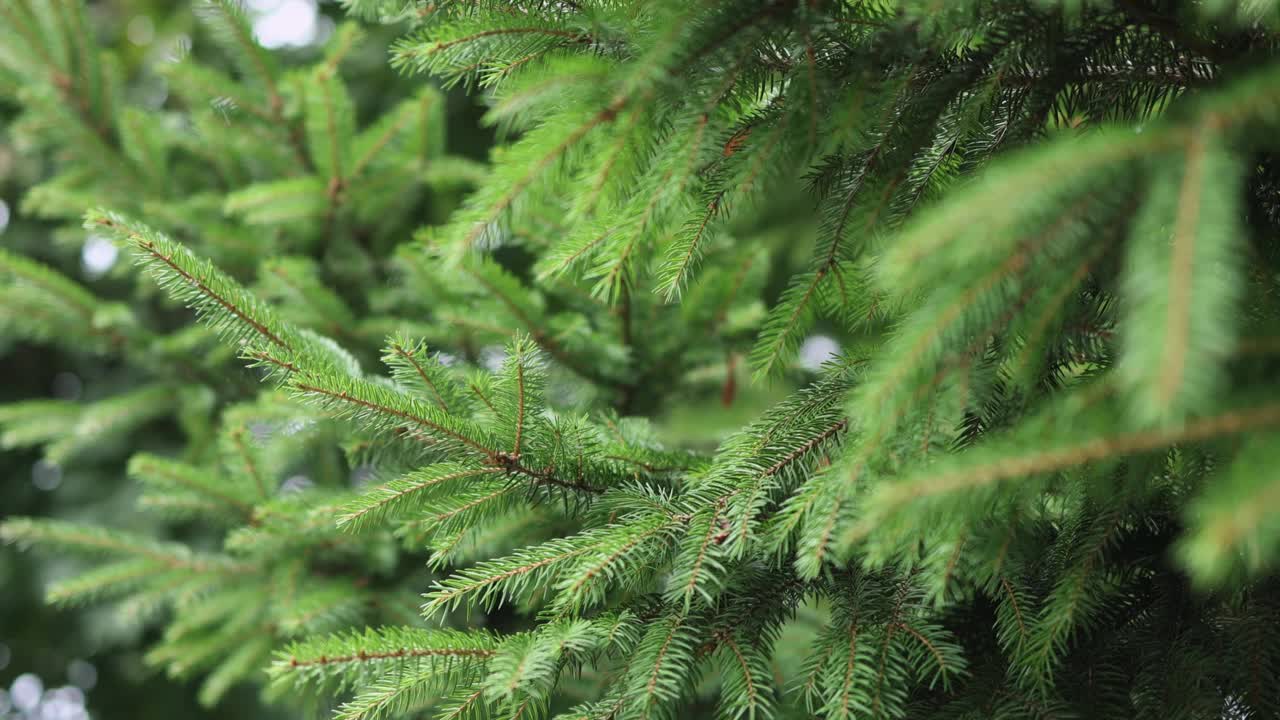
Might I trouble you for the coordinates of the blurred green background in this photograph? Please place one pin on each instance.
(66, 664)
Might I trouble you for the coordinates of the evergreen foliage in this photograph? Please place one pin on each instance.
(1036, 483)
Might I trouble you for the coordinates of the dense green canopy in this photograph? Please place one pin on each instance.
(550, 435)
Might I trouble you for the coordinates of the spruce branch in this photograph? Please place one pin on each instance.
(1231, 522)
(164, 473)
(298, 659)
(365, 401)
(406, 492)
(231, 310)
(412, 367)
(1198, 288)
(1010, 459)
(489, 583)
(80, 538)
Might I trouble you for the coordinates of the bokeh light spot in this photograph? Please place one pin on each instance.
(98, 255)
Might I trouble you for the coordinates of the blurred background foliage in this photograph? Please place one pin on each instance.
(59, 663)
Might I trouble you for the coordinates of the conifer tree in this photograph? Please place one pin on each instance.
(1038, 481)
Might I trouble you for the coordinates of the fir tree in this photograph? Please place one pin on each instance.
(1038, 481)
